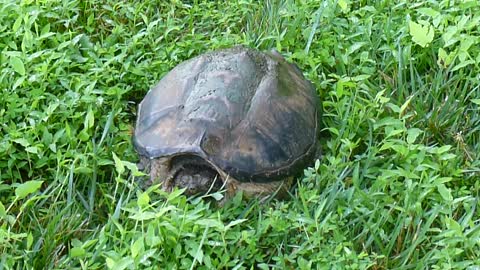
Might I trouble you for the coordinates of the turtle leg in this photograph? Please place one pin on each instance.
(160, 173)
(262, 191)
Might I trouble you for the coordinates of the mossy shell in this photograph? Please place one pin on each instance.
(250, 113)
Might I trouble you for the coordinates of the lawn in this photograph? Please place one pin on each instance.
(397, 186)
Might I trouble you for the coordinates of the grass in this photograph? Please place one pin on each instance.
(397, 186)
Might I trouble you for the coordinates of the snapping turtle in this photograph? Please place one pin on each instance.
(236, 118)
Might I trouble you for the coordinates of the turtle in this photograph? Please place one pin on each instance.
(235, 119)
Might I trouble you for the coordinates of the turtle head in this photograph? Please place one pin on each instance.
(191, 172)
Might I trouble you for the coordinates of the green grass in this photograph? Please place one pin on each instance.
(397, 186)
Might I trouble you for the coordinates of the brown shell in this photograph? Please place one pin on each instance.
(251, 114)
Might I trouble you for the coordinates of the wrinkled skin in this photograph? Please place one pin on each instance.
(195, 182)
(191, 173)
(199, 178)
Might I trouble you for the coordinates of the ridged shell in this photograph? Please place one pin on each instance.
(250, 113)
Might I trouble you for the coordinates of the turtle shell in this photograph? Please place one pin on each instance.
(250, 113)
